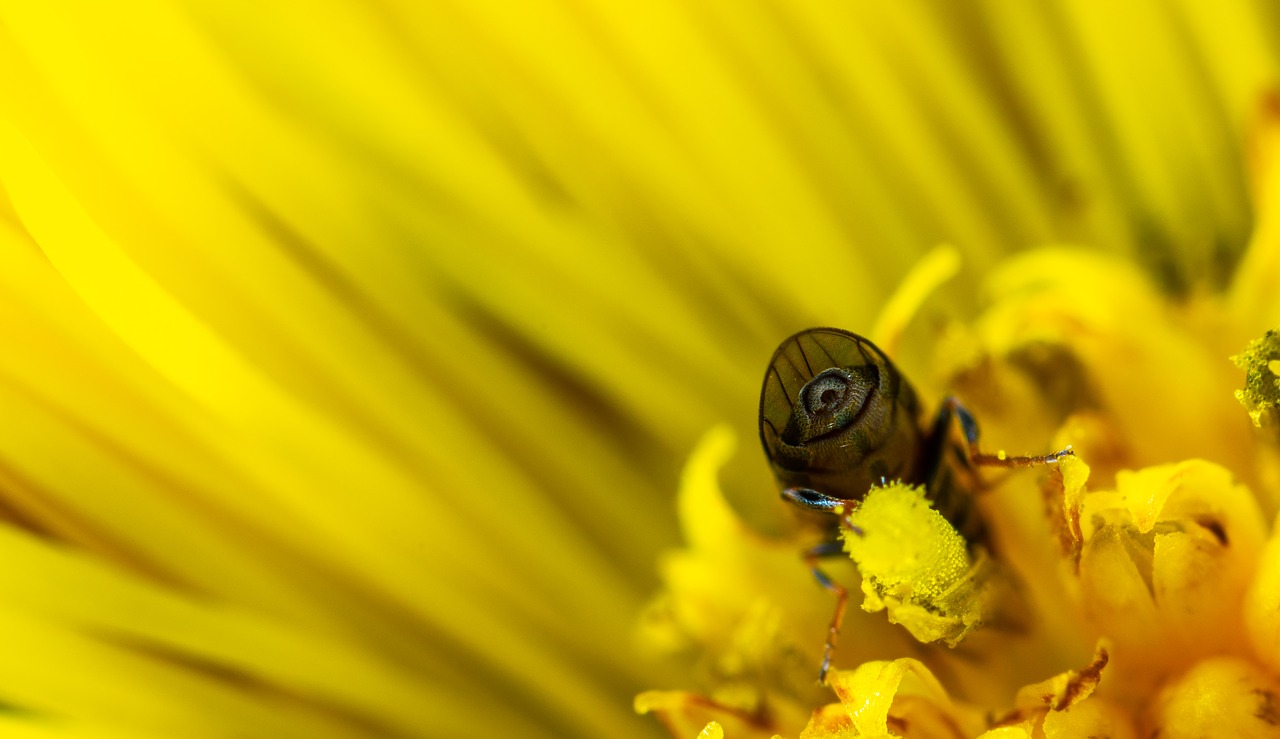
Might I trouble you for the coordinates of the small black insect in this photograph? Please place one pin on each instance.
(836, 417)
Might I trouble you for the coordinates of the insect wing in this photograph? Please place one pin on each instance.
(796, 362)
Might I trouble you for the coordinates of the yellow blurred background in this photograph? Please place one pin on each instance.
(349, 352)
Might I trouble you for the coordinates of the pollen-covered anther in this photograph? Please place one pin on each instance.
(918, 568)
(1260, 395)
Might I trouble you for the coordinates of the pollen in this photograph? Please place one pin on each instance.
(917, 567)
(904, 543)
(1260, 395)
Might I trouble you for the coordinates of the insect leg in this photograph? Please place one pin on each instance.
(814, 501)
(951, 407)
(831, 548)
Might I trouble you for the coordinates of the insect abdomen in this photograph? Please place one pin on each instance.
(836, 417)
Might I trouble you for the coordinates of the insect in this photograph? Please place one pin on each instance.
(836, 417)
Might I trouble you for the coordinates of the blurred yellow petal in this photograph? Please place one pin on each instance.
(1123, 339)
(256, 417)
(1218, 697)
(1096, 717)
(1022, 731)
(689, 715)
(935, 268)
(1262, 604)
(1065, 706)
(21, 727)
(1251, 297)
(229, 645)
(1064, 691)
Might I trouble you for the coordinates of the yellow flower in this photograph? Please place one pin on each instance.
(1143, 574)
(349, 351)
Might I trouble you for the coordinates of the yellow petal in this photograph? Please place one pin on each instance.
(1075, 473)
(749, 604)
(688, 715)
(829, 722)
(1066, 706)
(1059, 347)
(1063, 691)
(148, 631)
(1262, 604)
(880, 698)
(939, 265)
(1026, 730)
(29, 727)
(1251, 299)
(1218, 697)
(1165, 565)
(1095, 717)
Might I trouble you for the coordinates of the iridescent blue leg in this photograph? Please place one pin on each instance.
(812, 500)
